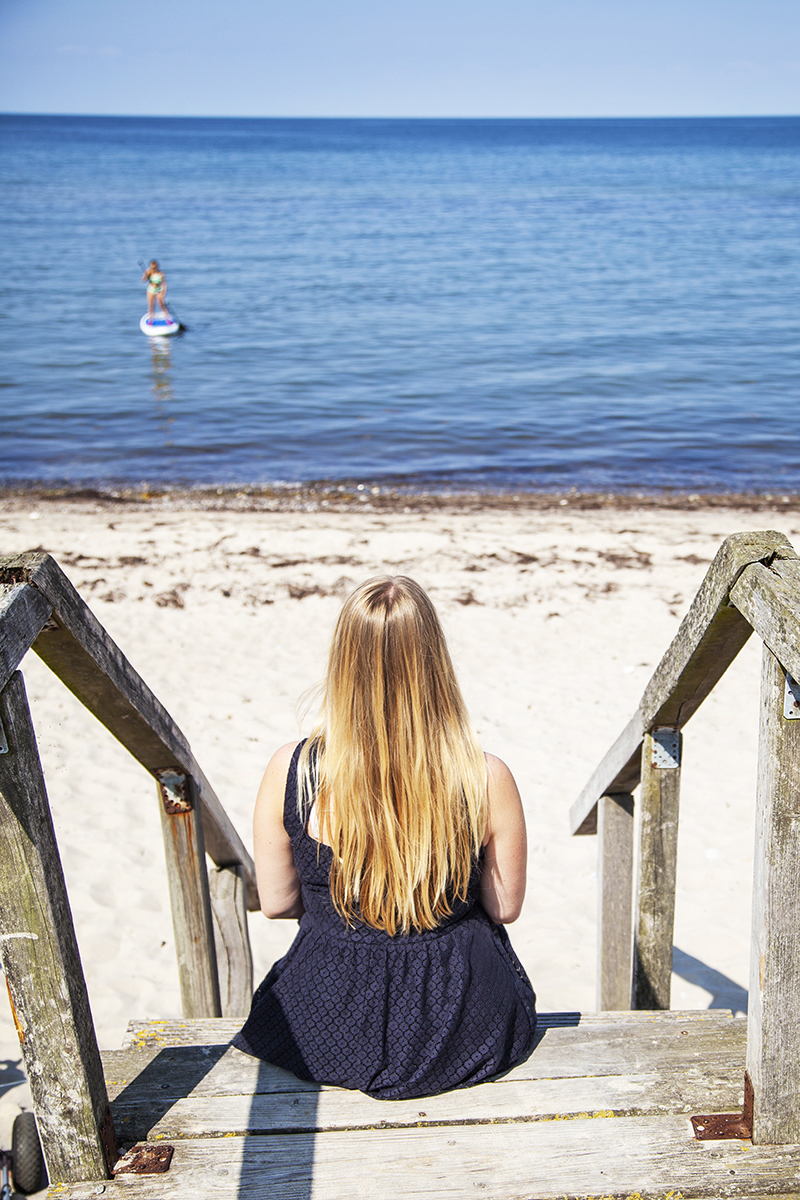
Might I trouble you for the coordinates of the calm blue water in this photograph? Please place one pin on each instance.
(598, 304)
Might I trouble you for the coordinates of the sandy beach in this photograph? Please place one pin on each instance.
(556, 616)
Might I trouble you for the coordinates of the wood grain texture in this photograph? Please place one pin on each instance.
(659, 1091)
(709, 638)
(773, 1050)
(42, 964)
(658, 860)
(93, 667)
(569, 1130)
(625, 1158)
(227, 887)
(617, 773)
(615, 901)
(175, 1065)
(23, 613)
(178, 1031)
(771, 603)
(191, 912)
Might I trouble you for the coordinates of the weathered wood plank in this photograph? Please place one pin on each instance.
(152, 1081)
(42, 964)
(638, 1158)
(710, 1041)
(710, 635)
(227, 886)
(223, 845)
(617, 773)
(709, 638)
(770, 601)
(189, 896)
(658, 860)
(178, 1031)
(615, 901)
(23, 614)
(93, 667)
(773, 1046)
(687, 1091)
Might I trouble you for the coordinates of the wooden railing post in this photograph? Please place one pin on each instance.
(773, 1021)
(228, 888)
(184, 848)
(42, 964)
(658, 849)
(614, 901)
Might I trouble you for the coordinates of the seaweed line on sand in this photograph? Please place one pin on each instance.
(369, 497)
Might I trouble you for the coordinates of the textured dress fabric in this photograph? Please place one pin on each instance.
(394, 1016)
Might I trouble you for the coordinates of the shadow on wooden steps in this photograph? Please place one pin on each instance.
(600, 1109)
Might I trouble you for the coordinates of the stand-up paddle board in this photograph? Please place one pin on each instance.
(159, 326)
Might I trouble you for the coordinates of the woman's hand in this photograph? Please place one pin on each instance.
(506, 846)
(278, 881)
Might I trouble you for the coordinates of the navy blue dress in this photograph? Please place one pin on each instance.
(395, 1017)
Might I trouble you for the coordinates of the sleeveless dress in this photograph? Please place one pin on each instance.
(394, 1016)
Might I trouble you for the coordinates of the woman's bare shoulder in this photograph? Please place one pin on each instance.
(284, 754)
(274, 780)
(502, 792)
(501, 784)
(496, 767)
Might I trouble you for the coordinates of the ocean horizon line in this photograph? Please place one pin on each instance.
(778, 116)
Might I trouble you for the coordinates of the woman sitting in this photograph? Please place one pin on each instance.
(401, 848)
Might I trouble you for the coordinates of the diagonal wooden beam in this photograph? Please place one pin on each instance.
(710, 636)
(77, 648)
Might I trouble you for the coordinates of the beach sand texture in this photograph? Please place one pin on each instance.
(556, 620)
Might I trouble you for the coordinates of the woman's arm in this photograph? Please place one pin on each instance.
(504, 868)
(278, 882)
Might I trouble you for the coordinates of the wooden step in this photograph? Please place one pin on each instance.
(583, 1044)
(600, 1109)
(204, 1031)
(174, 1089)
(639, 1158)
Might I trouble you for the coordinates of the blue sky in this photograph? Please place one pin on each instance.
(400, 57)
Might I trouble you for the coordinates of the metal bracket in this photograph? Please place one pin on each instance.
(174, 788)
(3, 740)
(723, 1126)
(791, 699)
(145, 1160)
(666, 743)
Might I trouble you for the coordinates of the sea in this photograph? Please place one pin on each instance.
(604, 305)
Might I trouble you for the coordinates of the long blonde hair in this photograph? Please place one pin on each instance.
(394, 766)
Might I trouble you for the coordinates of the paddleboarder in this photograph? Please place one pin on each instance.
(156, 290)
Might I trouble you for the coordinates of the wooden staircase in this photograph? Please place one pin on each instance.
(601, 1108)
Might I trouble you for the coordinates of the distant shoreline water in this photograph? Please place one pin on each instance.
(498, 305)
